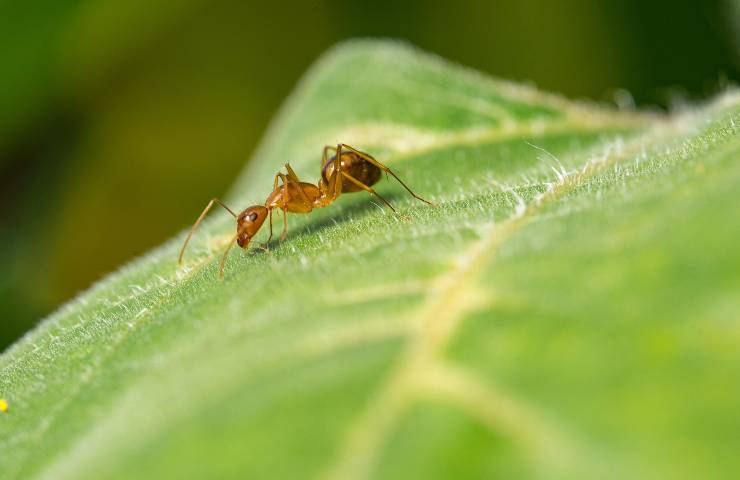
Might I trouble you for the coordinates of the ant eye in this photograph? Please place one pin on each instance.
(252, 217)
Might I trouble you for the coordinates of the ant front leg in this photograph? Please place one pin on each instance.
(266, 245)
(284, 203)
(285, 226)
(383, 167)
(270, 237)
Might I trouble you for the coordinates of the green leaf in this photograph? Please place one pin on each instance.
(569, 310)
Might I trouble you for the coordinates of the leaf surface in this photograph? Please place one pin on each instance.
(568, 310)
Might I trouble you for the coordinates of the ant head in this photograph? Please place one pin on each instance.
(248, 224)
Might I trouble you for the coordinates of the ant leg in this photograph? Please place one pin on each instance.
(291, 173)
(226, 254)
(330, 188)
(375, 162)
(368, 189)
(337, 174)
(266, 245)
(197, 222)
(286, 199)
(284, 178)
(325, 156)
(334, 183)
(292, 177)
(278, 176)
(285, 226)
(270, 237)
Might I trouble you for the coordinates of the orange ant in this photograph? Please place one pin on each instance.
(348, 170)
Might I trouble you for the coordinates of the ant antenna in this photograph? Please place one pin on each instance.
(197, 222)
(226, 254)
(239, 231)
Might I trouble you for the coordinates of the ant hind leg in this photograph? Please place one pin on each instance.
(368, 189)
(386, 169)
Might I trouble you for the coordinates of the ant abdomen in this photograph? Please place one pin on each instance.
(355, 166)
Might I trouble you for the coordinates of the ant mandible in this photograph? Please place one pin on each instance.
(348, 170)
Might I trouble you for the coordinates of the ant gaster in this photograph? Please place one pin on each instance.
(347, 170)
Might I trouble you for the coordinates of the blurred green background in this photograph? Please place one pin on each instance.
(120, 119)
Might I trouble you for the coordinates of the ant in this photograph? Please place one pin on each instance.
(347, 170)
